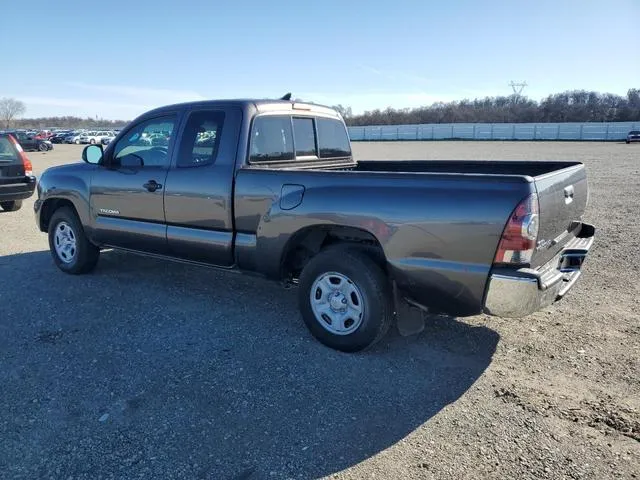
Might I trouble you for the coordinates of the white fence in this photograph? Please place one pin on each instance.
(609, 131)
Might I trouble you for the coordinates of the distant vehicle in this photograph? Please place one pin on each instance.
(30, 142)
(633, 136)
(107, 139)
(74, 138)
(59, 137)
(94, 137)
(271, 187)
(43, 135)
(16, 174)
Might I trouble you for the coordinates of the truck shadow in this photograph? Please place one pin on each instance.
(174, 369)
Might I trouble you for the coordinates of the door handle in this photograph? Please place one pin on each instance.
(152, 185)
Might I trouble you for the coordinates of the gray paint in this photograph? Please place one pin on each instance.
(438, 223)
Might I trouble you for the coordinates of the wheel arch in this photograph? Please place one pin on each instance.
(49, 207)
(307, 242)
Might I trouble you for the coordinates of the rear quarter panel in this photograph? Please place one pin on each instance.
(439, 232)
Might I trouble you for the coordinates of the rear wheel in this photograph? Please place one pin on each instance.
(345, 299)
(92, 141)
(11, 206)
(42, 147)
(71, 250)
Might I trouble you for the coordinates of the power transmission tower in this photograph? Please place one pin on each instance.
(517, 88)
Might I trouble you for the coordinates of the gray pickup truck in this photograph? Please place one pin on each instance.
(270, 187)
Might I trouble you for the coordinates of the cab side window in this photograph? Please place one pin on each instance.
(201, 139)
(146, 142)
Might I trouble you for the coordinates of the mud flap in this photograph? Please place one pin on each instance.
(409, 318)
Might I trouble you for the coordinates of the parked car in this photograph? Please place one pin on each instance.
(74, 138)
(279, 194)
(633, 136)
(16, 174)
(30, 142)
(43, 135)
(107, 139)
(94, 137)
(59, 137)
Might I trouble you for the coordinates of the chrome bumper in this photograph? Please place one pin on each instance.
(518, 293)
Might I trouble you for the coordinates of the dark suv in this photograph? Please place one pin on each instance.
(16, 177)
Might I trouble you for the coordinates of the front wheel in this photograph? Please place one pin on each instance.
(92, 141)
(71, 250)
(42, 147)
(11, 206)
(345, 299)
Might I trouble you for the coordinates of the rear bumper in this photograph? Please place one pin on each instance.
(17, 191)
(518, 293)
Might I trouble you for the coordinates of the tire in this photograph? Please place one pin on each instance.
(81, 256)
(42, 147)
(627, 142)
(92, 141)
(360, 278)
(13, 206)
(77, 142)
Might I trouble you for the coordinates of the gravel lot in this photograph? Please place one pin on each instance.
(150, 369)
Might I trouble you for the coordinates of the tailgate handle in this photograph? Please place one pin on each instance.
(568, 194)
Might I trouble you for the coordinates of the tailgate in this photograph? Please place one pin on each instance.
(11, 167)
(562, 196)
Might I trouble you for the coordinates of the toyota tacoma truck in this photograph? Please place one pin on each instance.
(271, 187)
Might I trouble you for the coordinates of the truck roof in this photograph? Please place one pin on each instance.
(261, 105)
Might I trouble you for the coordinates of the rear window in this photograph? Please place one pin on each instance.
(271, 139)
(305, 137)
(7, 151)
(332, 138)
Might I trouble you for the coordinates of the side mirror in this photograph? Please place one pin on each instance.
(92, 154)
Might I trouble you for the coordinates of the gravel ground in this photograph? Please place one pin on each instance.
(150, 369)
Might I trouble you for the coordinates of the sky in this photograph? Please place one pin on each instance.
(117, 59)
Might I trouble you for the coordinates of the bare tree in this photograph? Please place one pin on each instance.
(346, 112)
(10, 108)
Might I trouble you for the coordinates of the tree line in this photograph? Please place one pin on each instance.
(570, 106)
(67, 122)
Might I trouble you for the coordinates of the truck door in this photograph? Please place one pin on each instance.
(198, 198)
(127, 193)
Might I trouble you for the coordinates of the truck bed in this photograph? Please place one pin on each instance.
(524, 168)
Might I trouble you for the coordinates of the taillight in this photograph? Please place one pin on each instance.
(26, 163)
(519, 237)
